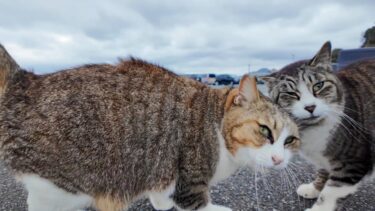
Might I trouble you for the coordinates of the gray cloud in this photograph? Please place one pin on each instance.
(185, 36)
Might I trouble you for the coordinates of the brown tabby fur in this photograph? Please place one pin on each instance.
(8, 67)
(116, 131)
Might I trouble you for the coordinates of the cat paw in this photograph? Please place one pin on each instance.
(158, 204)
(308, 191)
(212, 207)
(313, 209)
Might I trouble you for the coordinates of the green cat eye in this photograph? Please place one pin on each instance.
(289, 140)
(266, 132)
(318, 86)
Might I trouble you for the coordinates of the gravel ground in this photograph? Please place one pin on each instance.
(274, 190)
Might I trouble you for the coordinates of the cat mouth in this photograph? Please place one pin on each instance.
(312, 120)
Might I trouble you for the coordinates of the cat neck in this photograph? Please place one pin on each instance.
(317, 137)
(226, 164)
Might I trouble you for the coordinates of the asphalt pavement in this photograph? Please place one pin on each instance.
(266, 190)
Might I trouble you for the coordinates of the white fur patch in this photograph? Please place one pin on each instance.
(226, 165)
(43, 195)
(162, 200)
(308, 191)
(330, 194)
(314, 142)
(212, 207)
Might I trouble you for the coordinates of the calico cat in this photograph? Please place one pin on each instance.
(105, 135)
(336, 115)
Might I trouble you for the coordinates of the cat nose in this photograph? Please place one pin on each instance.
(277, 160)
(310, 108)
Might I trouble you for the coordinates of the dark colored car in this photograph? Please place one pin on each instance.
(347, 57)
(224, 79)
(195, 77)
(236, 79)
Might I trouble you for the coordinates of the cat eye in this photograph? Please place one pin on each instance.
(318, 86)
(292, 94)
(266, 132)
(289, 140)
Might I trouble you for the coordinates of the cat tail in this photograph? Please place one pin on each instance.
(8, 68)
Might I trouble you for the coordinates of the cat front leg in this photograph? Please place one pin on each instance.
(213, 207)
(192, 193)
(331, 192)
(161, 200)
(313, 189)
(195, 198)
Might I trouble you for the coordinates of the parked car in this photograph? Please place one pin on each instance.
(224, 79)
(236, 79)
(347, 57)
(196, 77)
(209, 79)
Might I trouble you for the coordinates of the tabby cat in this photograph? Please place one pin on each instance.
(336, 115)
(105, 135)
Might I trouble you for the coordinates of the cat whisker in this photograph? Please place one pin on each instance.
(346, 108)
(294, 166)
(295, 179)
(263, 179)
(354, 123)
(355, 129)
(256, 186)
(349, 132)
(287, 182)
(283, 185)
(350, 120)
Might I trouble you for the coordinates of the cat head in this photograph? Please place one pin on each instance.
(255, 130)
(308, 90)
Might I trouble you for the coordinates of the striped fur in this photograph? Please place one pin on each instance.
(8, 67)
(339, 135)
(118, 132)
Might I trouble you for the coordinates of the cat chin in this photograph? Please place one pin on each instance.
(311, 121)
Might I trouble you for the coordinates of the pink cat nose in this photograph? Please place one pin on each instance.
(277, 160)
(310, 108)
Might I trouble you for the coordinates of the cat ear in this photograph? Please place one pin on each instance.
(8, 67)
(323, 56)
(7, 63)
(247, 91)
(269, 80)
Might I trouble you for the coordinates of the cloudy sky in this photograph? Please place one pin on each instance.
(196, 36)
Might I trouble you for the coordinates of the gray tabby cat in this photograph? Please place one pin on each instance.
(105, 135)
(336, 115)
